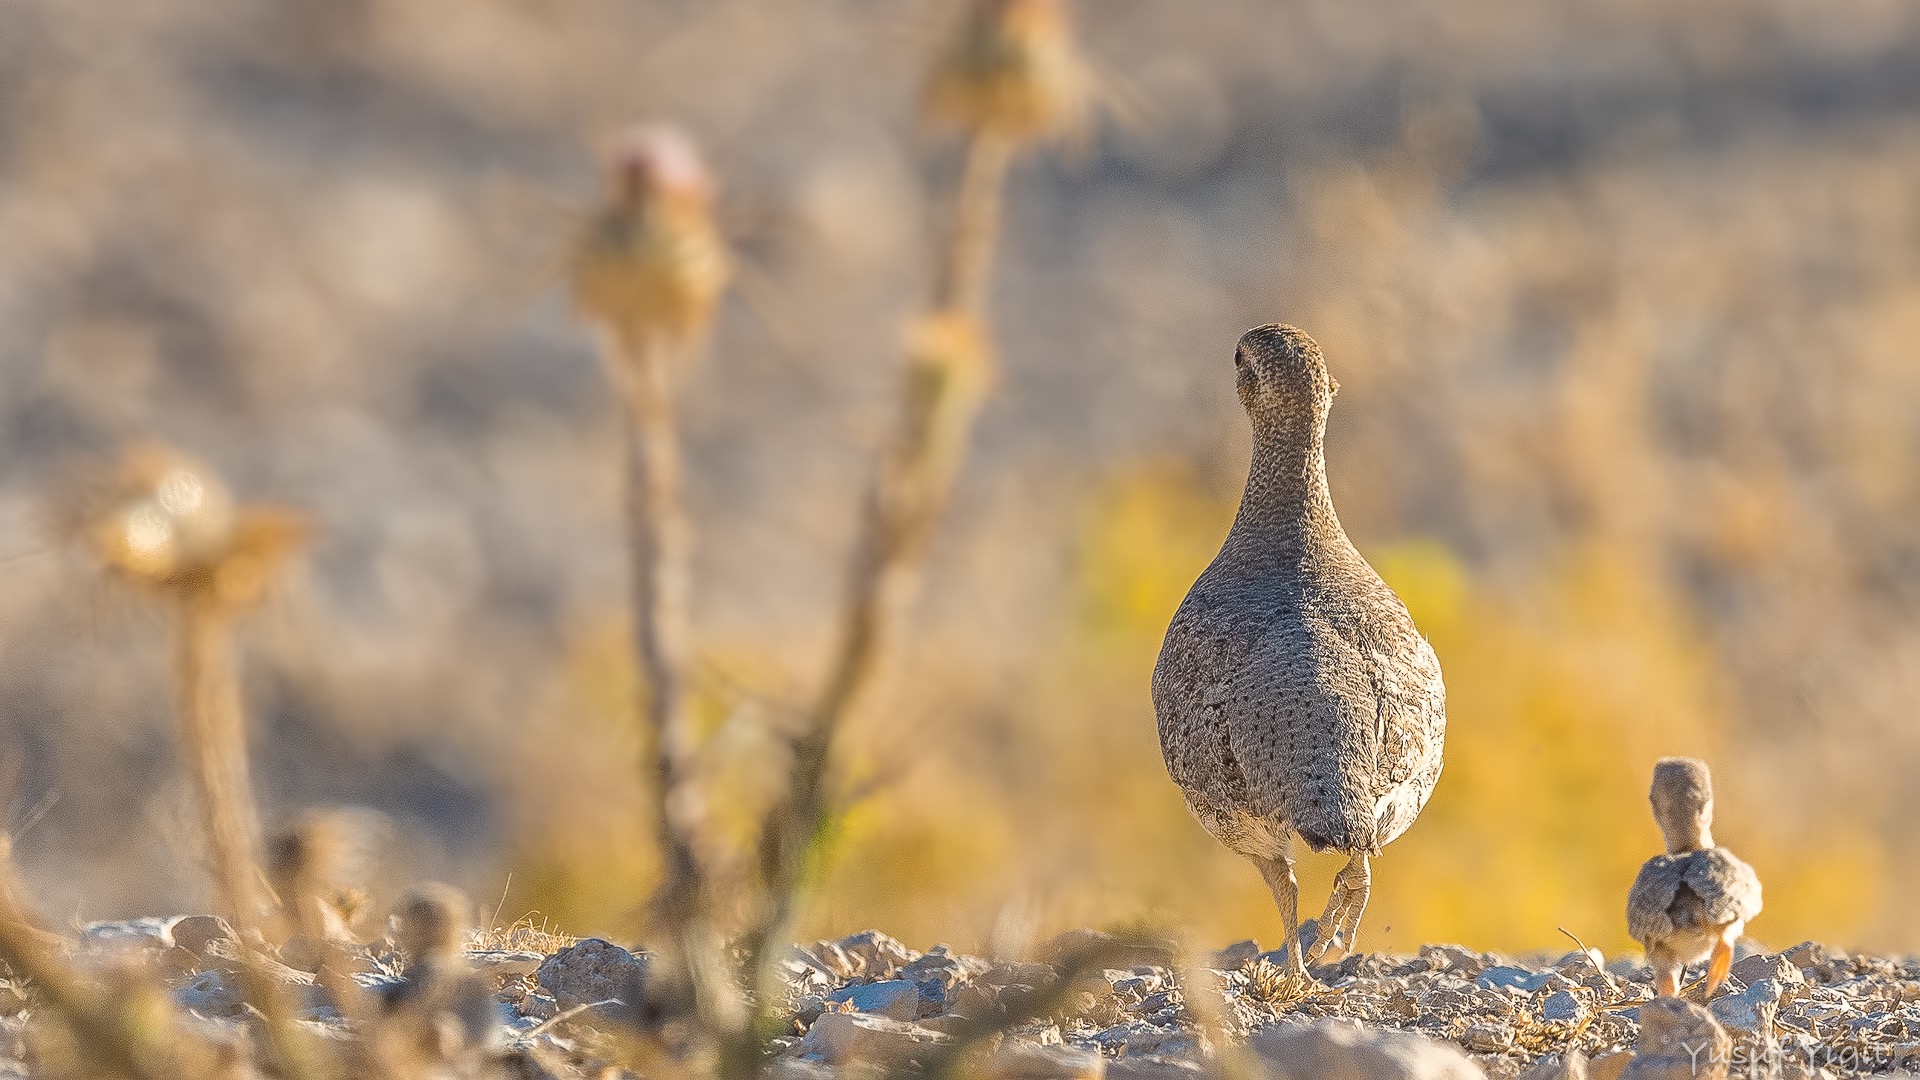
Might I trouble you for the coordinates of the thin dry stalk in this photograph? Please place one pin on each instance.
(946, 379)
(661, 546)
(961, 283)
(213, 729)
(648, 270)
(214, 739)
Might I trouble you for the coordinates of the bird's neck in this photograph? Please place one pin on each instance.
(1685, 836)
(1286, 508)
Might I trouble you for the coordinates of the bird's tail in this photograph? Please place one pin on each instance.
(1343, 818)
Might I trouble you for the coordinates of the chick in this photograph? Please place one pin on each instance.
(1692, 903)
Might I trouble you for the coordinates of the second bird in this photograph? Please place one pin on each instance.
(1295, 697)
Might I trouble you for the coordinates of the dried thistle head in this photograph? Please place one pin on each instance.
(168, 522)
(431, 922)
(651, 260)
(171, 517)
(1012, 70)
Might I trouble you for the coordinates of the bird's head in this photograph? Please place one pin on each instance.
(1682, 797)
(1282, 378)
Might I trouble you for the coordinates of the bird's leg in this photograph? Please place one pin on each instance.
(1278, 872)
(1717, 967)
(1666, 971)
(1341, 923)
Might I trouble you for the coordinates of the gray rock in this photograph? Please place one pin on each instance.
(212, 993)
(1679, 1041)
(1333, 1050)
(797, 1069)
(837, 1038)
(945, 965)
(835, 960)
(1145, 1040)
(897, 999)
(1751, 1011)
(1491, 1038)
(1570, 1066)
(589, 971)
(1498, 978)
(195, 933)
(1807, 956)
(142, 933)
(539, 1006)
(1025, 1061)
(1764, 966)
(1458, 959)
(1157, 1001)
(1581, 962)
(504, 961)
(1235, 955)
(1139, 985)
(806, 972)
(876, 955)
(1562, 1005)
(1154, 1069)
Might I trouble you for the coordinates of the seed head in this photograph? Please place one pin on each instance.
(174, 517)
(1012, 70)
(169, 522)
(650, 261)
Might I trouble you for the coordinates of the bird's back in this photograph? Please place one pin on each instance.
(1693, 890)
(1301, 691)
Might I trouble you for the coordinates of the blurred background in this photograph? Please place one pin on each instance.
(1623, 297)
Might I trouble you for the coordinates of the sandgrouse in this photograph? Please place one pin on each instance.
(1692, 903)
(1294, 694)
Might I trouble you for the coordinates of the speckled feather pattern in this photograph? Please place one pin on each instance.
(1691, 891)
(1294, 694)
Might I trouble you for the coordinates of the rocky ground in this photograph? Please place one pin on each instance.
(1446, 1012)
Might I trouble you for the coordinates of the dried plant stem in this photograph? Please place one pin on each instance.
(213, 729)
(661, 547)
(961, 284)
(942, 395)
(214, 738)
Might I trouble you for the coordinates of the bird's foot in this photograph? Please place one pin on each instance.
(1333, 945)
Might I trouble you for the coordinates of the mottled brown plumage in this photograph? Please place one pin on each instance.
(1693, 902)
(1294, 694)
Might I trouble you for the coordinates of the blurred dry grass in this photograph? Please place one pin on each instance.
(1622, 297)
